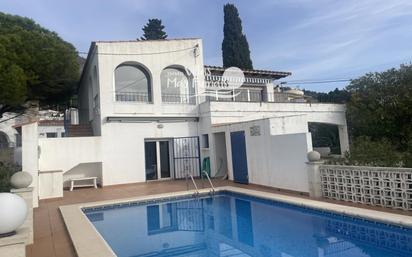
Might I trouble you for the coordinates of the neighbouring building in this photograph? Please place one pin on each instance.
(148, 118)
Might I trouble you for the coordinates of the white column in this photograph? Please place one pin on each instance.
(30, 157)
(315, 189)
(268, 92)
(343, 139)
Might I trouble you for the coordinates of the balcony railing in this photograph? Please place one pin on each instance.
(4, 145)
(238, 96)
(256, 96)
(133, 97)
(179, 98)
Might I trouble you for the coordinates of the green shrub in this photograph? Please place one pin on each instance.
(6, 171)
(367, 152)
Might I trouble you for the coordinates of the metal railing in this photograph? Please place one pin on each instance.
(258, 96)
(194, 183)
(210, 182)
(179, 98)
(133, 97)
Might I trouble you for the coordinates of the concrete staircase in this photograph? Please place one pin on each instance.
(81, 130)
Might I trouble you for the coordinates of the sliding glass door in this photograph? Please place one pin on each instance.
(164, 159)
(157, 157)
(151, 160)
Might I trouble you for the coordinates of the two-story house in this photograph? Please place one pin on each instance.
(154, 117)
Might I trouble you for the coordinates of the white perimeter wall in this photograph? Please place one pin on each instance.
(67, 152)
(276, 158)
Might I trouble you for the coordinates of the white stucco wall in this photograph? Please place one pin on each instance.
(226, 112)
(123, 158)
(277, 157)
(67, 152)
(169, 53)
(43, 130)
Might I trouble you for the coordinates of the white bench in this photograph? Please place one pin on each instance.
(73, 180)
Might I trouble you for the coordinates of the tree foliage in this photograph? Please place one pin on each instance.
(6, 171)
(235, 48)
(35, 64)
(380, 109)
(381, 106)
(339, 96)
(153, 30)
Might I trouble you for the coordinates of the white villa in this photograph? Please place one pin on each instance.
(150, 120)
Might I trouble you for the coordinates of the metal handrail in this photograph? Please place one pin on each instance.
(194, 183)
(210, 181)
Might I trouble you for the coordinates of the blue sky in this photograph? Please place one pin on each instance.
(314, 39)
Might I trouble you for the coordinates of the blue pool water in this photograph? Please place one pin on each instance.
(230, 224)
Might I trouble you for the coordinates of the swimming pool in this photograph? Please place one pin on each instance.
(233, 224)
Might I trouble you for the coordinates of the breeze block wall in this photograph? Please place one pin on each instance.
(376, 186)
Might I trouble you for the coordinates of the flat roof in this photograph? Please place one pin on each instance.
(143, 41)
(254, 72)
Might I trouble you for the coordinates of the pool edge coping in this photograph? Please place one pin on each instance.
(88, 242)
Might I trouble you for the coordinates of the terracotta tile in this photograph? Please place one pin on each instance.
(43, 248)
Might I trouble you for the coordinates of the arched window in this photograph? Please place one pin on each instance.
(4, 142)
(132, 83)
(177, 86)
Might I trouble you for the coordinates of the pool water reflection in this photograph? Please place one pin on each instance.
(230, 224)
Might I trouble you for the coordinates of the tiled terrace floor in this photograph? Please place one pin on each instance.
(50, 235)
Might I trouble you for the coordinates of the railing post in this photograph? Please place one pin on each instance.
(268, 93)
(313, 168)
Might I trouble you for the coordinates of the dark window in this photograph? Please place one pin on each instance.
(132, 84)
(205, 139)
(177, 86)
(4, 142)
(51, 134)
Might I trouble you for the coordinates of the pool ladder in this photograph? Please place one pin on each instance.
(212, 190)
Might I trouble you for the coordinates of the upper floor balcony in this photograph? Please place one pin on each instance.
(259, 95)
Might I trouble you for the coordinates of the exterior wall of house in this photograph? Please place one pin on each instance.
(89, 95)
(122, 145)
(166, 53)
(276, 157)
(229, 112)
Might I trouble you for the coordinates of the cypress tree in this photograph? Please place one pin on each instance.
(235, 48)
(153, 30)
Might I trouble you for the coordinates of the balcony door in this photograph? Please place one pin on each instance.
(157, 159)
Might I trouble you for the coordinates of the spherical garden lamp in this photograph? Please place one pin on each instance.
(313, 156)
(13, 212)
(21, 179)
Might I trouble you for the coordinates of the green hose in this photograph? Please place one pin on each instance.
(206, 165)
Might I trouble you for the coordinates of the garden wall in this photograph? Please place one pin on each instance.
(376, 186)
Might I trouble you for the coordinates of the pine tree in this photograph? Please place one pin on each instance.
(153, 30)
(235, 48)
